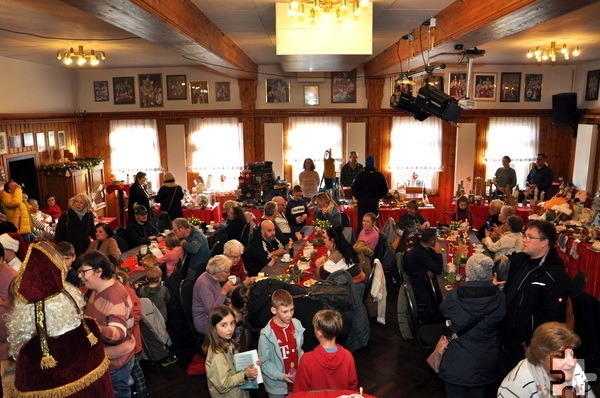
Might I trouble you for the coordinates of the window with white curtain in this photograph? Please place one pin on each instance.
(416, 152)
(310, 137)
(516, 137)
(134, 147)
(217, 151)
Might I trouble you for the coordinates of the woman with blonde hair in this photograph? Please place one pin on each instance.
(327, 209)
(76, 225)
(549, 368)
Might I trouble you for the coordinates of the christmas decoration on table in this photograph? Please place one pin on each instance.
(454, 225)
(322, 224)
(193, 221)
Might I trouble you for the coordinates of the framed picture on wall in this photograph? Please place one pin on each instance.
(51, 139)
(222, 92)
(15, 141)
(457, 85)
(3, 143)
(278, 90)
(592, 85)
(485, 86)
(311, 95)
(28, 139)
(151, 92)
(343, 87)
(436, 81)
(123, 90)
(41, 141)
(176, 87)
(533, 88)
(510, 87)
(101, 91)
(199, 91)
(62, 142)
(404, 86)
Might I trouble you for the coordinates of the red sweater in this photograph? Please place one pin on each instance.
(322, 370)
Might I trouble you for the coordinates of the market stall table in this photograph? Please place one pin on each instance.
(386, 212)
(480, 213)
(207, 215)
(578, 256)
(112, 222)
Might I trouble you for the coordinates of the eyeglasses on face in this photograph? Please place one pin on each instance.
(529, 237)
(83, 271)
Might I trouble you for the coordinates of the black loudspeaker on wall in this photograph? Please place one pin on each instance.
(564, 110)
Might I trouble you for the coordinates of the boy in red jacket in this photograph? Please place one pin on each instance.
(330, 366)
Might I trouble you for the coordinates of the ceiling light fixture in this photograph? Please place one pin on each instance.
(81, 56)
(550, 53)
(326, 9)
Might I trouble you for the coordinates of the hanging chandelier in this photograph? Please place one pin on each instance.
(81, 56)
(314, 9)
(550, 53)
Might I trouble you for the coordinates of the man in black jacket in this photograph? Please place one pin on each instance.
(140, 231)
(368, 187)
(536, 290)
(420, 263)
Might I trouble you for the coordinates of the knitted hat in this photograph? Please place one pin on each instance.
(169, 177)
(370, 161)
(9, 243)
(41, 277)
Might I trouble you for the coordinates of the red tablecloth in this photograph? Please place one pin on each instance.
(585, 260)
(110, 188)
(206, 215)
(386, 212)
(326, 394)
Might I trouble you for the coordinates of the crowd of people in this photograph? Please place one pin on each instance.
(507, 319)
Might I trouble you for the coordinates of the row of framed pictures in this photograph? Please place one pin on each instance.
(151, 93)
(44, 141)
(343, 90)
(484, 86)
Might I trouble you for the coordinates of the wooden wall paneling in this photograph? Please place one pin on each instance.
(446, 176)
(483, 125)
(558, 144)
(248, 93)
(249, 126)
(375, 140)
(374, 88)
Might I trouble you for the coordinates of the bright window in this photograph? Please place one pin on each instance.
(310, 137)
(416, 152)
(516, 137)
(217, 152)
(141, 135)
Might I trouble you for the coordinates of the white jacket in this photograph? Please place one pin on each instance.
(509, 243)
(379, 291)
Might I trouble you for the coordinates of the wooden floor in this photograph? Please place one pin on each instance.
(389, 367)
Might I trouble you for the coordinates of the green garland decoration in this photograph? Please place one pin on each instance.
(77, 164)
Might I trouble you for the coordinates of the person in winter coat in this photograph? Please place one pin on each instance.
(76, 225)
(169, 196)
(470, 361)
(17, 211)
(330, 366)
(138, 195)
(368, 187)
(537, 289)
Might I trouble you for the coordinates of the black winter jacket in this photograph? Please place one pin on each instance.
(534, 296)
(472, 358)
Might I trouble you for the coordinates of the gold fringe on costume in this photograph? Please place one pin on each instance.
(67, 389)
(48, 360)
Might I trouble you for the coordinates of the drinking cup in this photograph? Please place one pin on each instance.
(286, 258)
(232, 278)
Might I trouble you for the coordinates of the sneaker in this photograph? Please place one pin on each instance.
(168, 361)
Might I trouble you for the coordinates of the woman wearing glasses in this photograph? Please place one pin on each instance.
(110, 306)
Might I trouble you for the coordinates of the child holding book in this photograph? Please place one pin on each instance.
(280, 345)
(157, 293)
(223, 380)
(172, 253)
(330, 366)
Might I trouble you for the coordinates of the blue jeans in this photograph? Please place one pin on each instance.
(120, 380)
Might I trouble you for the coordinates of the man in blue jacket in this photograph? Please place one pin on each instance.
(195, 247)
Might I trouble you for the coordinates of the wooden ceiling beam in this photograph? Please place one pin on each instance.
(471, 23)
(176, 25)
